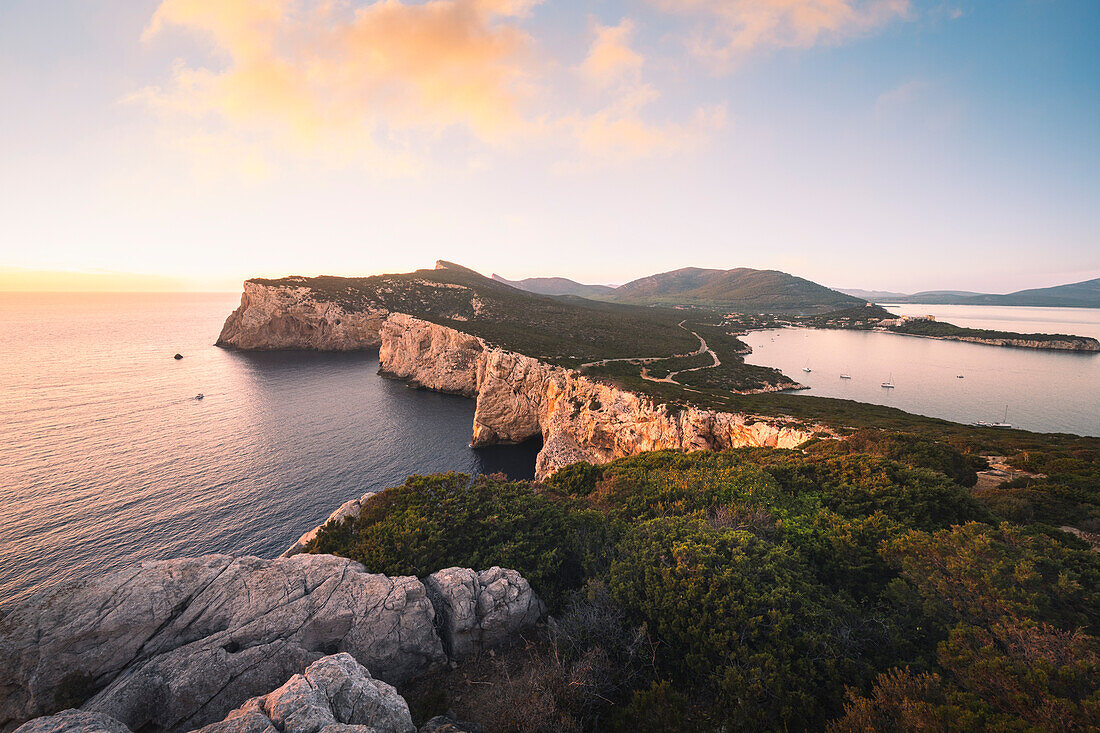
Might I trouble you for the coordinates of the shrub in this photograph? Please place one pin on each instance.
(435, 522)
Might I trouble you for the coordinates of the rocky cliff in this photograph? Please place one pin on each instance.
(1079, 343)
(271, 318)
(177, 644)
(1068, 343)
(519, 398)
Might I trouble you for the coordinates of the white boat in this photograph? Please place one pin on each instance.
(845, 376)
(807, 369)
(889, 383)
(1004, 424)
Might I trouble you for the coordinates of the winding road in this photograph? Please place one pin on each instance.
(669, 379)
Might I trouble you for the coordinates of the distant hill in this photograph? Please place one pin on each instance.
(1084, 294)
(880, 296)
(556, 286)
(741, 288)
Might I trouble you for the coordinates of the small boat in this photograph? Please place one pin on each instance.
(959, 377)
(199, 396)
(807, 369)
(889, 383)
(845, 376)
(1003, 424)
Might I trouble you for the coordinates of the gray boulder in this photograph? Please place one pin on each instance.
(177, 644)
(334, 693)
(74, 721)
(479, 610)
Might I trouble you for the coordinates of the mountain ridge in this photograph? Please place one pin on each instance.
(1083, 294)
(740, 288)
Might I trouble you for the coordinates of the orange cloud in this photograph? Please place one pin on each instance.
(316, 68)
(379, 83)
(611, 57)
(732, 28)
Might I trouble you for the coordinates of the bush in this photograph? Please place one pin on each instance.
(738, 620)
(447, 520)
(748, 589)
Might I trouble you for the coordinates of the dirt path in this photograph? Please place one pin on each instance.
(670, 378)
(650, 359)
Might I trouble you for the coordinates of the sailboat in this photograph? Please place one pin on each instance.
(845, 376)
(1003, 424)
(807, 368)
(889, 383)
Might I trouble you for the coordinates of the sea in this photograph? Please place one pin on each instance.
(107, 458)
(1038, 390)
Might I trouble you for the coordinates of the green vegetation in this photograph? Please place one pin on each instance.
(741, 288)
(562, 331)
(858, 585)
(940, 329)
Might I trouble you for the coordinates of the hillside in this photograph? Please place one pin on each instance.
(564, 331)
(556, 286)
(741, 288)
(1085, 294)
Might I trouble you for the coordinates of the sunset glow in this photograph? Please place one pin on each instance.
(855, 142)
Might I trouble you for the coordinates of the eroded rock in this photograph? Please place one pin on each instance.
(74, 721)
(333, 691)
(290, 318)
(579, 419)
(479, 610)
(177, 644)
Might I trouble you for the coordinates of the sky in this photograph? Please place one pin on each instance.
(882, 144)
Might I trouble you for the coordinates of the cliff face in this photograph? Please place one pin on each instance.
(1080, 343)
(271, 318)
(579, 419)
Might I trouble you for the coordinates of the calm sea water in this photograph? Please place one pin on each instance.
(1046, 391)
(106, 458)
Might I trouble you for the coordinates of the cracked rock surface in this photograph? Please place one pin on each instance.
(335, 694)
(176, 645)
(478, 610)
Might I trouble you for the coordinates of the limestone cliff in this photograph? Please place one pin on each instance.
(271, 318)
(1077, 343)
(519, 397)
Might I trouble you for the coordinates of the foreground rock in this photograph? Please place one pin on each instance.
(74, 721)
(479, 610)
(333, 694)
(175, 645)
(335, 690)
(579, 419)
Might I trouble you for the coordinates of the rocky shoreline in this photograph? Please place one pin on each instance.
(579, 419)
(1082, 344)
(180, 645)
(518, 397)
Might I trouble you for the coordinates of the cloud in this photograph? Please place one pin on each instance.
(618, 128)
(325, 74)
(394, 84)
(730, 29)
(611, 57)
